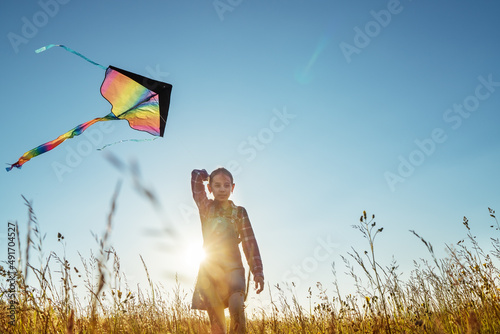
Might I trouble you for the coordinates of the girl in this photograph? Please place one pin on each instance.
(221, 278)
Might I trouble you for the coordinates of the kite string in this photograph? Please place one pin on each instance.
(70, 50)
(125, 140)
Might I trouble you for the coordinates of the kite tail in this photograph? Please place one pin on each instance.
(70, 50)
(54, 143)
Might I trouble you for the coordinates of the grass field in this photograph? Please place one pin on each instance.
(456, 294)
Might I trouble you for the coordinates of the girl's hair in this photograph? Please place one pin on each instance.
(220, 170)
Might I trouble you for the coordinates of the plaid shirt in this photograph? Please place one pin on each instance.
(207, 208)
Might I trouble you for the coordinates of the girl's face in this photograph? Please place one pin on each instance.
(221, 187)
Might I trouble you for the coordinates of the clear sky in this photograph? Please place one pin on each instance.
(322, 109)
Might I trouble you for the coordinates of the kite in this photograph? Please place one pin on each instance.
(143, 102)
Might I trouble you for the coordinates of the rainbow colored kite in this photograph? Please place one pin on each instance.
(143, 102)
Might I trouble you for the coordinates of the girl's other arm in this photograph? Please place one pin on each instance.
(250, 247)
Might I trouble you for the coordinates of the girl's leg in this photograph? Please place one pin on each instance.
(236, 301)
(217, 321)
(237, 313)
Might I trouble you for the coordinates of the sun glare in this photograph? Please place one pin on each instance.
(194, 254)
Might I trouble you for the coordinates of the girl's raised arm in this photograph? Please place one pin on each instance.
(198, 188)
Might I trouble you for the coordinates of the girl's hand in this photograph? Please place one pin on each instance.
(204, 174)
(259, 284)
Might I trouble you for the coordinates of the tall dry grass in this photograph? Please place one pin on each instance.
(456, 294)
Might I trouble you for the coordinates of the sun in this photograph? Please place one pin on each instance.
(194, 254)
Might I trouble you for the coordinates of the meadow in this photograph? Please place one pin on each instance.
(456, 294)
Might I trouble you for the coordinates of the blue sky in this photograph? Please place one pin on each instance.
(322, 109)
